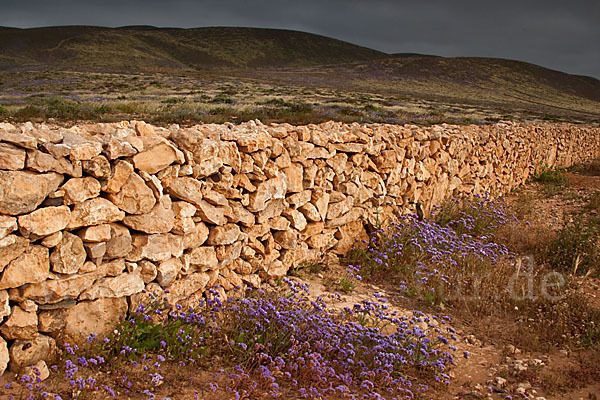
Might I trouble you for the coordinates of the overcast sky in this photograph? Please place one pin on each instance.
(558, 34)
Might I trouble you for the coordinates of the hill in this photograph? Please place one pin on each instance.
(143, 48)
(252, 68)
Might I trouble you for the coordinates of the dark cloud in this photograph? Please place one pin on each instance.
(563, 35)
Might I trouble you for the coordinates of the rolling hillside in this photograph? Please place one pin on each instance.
(78, 62)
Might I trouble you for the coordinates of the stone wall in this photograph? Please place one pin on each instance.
(92, 215)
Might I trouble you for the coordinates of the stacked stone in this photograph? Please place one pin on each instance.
(93, 216)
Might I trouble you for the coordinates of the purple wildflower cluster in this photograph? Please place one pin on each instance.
(271, 346)
(423, 252)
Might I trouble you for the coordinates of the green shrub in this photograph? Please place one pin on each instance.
(575, 248)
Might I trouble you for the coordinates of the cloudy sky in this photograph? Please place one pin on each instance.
(558, 34)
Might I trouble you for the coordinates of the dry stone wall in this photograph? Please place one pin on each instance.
(94, 217)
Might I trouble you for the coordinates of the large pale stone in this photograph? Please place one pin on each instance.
(28, 352)
(44, 221)
(321, 201)
(4, 356)
(336, 210)
(98, 167)
(296, 218)
(23, 191)
(42, 162)
(273, 208)
(286, 239)
(20, 325)
(147, 271)
(11, 247)
(96, 233)
(215, 198)
(348, 235)
(52, 240)
(19, 139)
(196, 238)
(96, 316)
(135, 197)
(186, 188)
(185, 287)
(310, 212)
(156, 159)
(119, 244)
(30, 267)
(203, 258)
(115, 148)
(95, 251)
(11, 157)
(211, 214)
(119, 286)
(94, 212)
(167, 271)
(294, 176)
(7, 225)
(221, 235)
(271, 189)
(239, 214)
(322, 241)
(4, 305)
(159, 220)
(80, 189)
(352, 215)
(154, 247)
(122, 171)
(52, 291)
(69, 255)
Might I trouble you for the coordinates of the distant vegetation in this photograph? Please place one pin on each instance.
(238, 74)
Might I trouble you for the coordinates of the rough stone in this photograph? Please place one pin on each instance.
(27, 352)
(203, 258)
(23, 191)
(167, 271)
(134, 197)
(7, 225)
(98, 167)
(310, 212)
(94, 212)
(11, 247)
(42, 162)
(20, 325)
(69, 255)
(160, 219)
(44, 221)
(271, 189)
(116, 287)
(187, 189)
(120, 175)
(91, 316)
(53, 240)
(4, 305)
(30, 267)
(222, 235)
(96, 233)
(54, 291)
(11, 157)
(155, 159)
(147, 271)
(4, 356)
(19, 139)
(154, 247)
(119, 244)
(187, 286)
(211, 214)
(77, 190)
